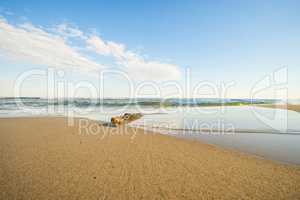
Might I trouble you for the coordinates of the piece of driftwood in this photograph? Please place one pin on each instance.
(126, 118)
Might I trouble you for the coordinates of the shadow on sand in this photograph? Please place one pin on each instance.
(108, 124)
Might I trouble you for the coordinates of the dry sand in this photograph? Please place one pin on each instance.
(43, 158)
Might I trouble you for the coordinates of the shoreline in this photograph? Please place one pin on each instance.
(42, 157)
(258, 144)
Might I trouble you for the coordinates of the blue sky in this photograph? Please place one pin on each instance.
(218, 41)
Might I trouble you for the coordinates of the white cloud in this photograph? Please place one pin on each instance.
(138, 67)
(67, 31)
(97, 44)
(135, 64)
(36, 45)
(52, 47)
(106, 48)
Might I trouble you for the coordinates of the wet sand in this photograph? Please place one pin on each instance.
(44, 158)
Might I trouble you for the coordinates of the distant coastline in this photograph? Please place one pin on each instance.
(291, 107)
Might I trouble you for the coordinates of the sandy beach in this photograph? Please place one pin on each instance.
(44, 158)
(292, 107)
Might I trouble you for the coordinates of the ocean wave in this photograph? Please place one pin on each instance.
(82, 102)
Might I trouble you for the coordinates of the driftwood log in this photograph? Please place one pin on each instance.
(126, 118)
